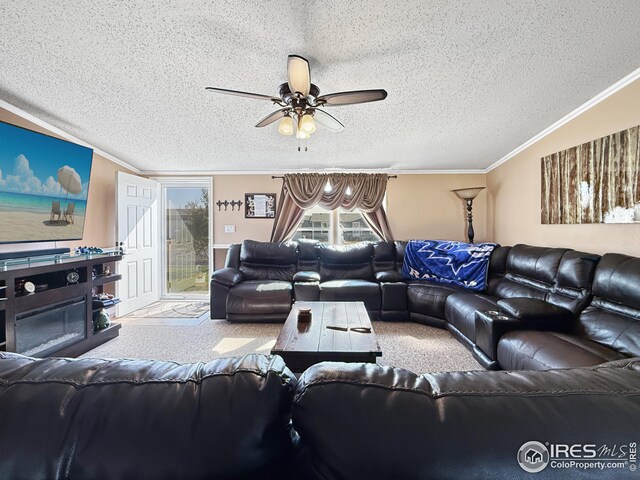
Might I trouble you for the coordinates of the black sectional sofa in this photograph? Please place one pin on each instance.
(543, 307)
(231, 419)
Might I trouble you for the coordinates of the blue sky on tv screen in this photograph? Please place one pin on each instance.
(29, 163)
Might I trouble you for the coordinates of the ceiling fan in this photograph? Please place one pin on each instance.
(301, 101)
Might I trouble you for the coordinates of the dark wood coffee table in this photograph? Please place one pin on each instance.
(302, 344)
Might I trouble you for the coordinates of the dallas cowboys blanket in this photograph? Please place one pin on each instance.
(464, 264)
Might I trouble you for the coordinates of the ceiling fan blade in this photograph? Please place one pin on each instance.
(238, 93)
(351, 98)
(272, 117)
(298, 74)
(327, 121)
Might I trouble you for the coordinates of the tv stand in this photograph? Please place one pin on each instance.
(45, 310)
(33, 253)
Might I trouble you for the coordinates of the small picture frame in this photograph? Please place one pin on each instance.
(259, 205)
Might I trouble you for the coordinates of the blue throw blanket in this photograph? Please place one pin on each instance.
(463, 264)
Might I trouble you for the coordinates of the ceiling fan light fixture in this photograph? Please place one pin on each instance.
(301, 107)
(286, 125)
(307, 124)
(302, 135)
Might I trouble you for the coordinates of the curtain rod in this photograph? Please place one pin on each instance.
(282, 176)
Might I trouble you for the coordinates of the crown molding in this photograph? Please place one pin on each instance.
(67, 136)
(182, 174)
(616, 87)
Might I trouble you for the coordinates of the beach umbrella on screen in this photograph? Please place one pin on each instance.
(69, 180)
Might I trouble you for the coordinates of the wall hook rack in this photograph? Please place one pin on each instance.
(226, 203)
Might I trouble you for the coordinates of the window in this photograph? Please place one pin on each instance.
(337, 226)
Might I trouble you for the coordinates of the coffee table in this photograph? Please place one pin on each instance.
(302, 344)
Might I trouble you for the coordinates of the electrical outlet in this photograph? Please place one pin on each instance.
(229, 229)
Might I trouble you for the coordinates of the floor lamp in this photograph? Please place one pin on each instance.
(468, 194)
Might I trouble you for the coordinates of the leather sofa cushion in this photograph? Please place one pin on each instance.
(613, 325)
(533, 350)
(233, 256)
(613, 316)
(531, 272)
(617, 279)
(514, 286)
(227, 276)
(460, 311)
(95, 418)
(268, 253)
(340, 262)
(400, 246)
(538, 263)
(308, 254)
(366, 421)
(531, 308)
(352, 291)
(576, 270)
(306, 276)
(268, 260)
(255, 297)
(497, 268)
(389, 276)
(429, 298)
(384, 256)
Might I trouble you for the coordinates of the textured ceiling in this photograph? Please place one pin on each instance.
(468, 81)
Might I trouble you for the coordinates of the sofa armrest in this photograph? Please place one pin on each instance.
(227, 276)
(490, 326)
(532, 309)
(518, 314)
(389, 276)
(306, 291)
(306, 276)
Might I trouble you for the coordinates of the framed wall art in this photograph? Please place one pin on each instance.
(596, 182)
(259, 205)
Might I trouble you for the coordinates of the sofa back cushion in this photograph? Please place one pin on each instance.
(401, 247)
(531, 272)
(572, 288)
(94, 418)
(384, 256)
(497, 267)
(613, 316)
(308, 255)
(340, 262)
(268, 260)
(233, 256)
(376, 422)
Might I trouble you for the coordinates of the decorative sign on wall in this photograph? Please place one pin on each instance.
(259, 205)
(596, 182)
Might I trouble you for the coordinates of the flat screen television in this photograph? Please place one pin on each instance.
(44, 185)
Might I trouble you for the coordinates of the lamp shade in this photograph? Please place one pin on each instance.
(286, 125)
(468, 193)
(307, 124)
(302, 135)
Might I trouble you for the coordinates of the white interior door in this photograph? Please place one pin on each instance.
(138, 229)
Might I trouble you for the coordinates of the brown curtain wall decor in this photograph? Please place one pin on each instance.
(351, 191)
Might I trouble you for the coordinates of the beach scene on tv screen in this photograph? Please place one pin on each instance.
(44, 184)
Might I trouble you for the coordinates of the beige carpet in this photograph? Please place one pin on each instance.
(412, 346)
(172, 309)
